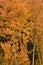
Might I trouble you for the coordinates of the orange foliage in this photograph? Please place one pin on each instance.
(17, 27)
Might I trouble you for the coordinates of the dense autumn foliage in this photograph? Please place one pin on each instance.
(18, 28)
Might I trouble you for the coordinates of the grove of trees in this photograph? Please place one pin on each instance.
(20, 22)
